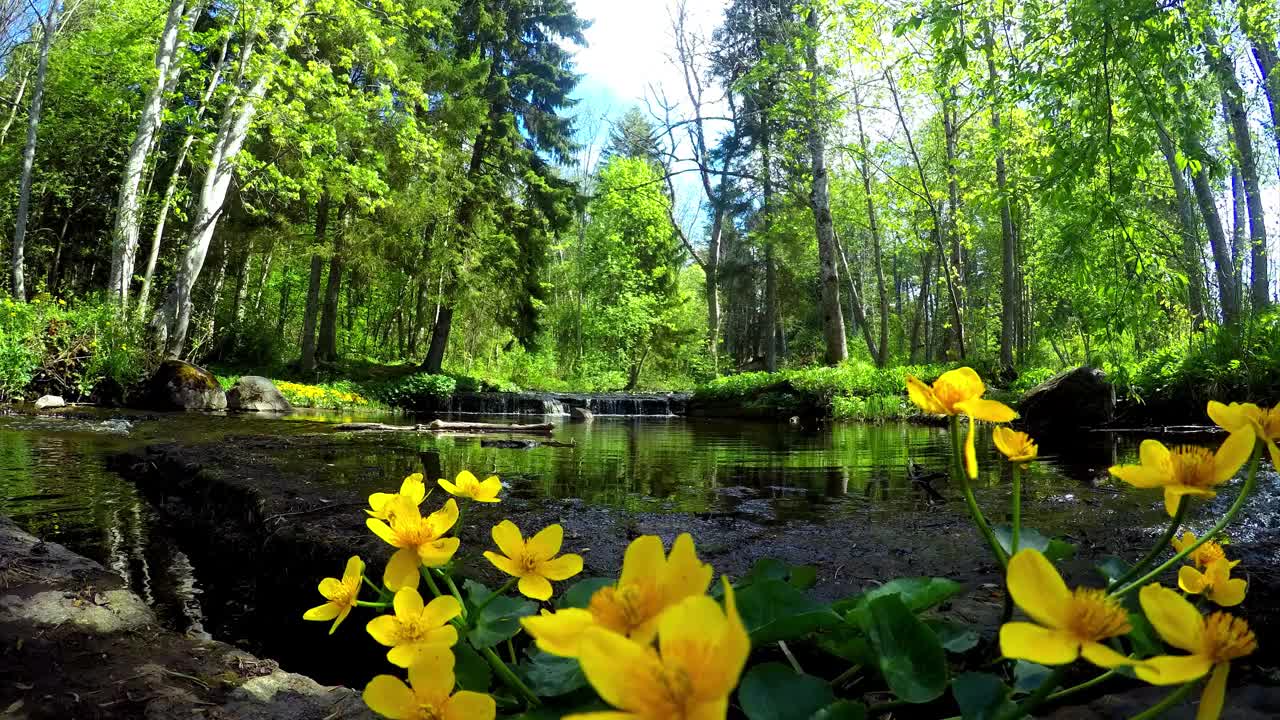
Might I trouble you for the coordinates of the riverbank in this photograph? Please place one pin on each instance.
(77, 644)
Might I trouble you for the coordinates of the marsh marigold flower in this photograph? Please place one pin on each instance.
(700, 655)
(1213, 642)
(958, 392)
(1068, 624)
(650, 583)
(419, 540)
(1264, 423)
(534, 562)
(466, 485)
(415, 627)
(1202, 556)
(429, 694)
(1188, 469)
(1017, 446)
(413, 489)
(1214, 583)
(341, 595)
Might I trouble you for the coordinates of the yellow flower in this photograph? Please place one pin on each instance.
(1212, 642)
(341, 595)
(1017, 446)
(412, 488)
(1265, 423)
(955, 392)
(1215, 582)
(651, 582)
(420, 540)
(1203, 555)
(1068, 625)
(414, 627)
(429, 694)
(1186, 470)
(701, 652)
(466, 485)
(535, 562)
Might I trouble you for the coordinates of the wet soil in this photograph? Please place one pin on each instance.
(265, 518)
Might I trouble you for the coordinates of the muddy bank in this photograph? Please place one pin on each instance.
(265, 517)
(75, 644)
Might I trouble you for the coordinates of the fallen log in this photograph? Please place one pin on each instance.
(447, 427)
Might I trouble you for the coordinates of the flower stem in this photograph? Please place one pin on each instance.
(509, 676)
(1168, 702)
(448, 581)
(975, 513)
(1016, 512)
(1067, 692)
(494, 596)
(1159, 548)
(1245, 491)
(367, 603)
(431, 582)
(1041, 694)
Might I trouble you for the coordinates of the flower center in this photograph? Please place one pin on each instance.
(1270, 422)
(1227, 637)
(675, 690)
(427, 711)
(1094, 616)
(1193, 466)
(1208, 553)
(622, 609)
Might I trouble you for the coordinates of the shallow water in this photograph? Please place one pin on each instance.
(55, 483)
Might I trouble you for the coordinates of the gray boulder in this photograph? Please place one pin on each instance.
(580, 415)
(257, 394)
(1075, 399)
(178, 385)
(50, 401)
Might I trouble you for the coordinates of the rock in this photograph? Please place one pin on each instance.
(581, 415)
(1074, 399)
(178, 385)
(50, 401)
(257, 394)
(509, 444)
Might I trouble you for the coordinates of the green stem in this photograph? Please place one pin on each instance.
(1161, 545)
(454, 590)
(500, 591)
(431, 581)
(1067, 692)
(1245, 491)
(457, 524)
(1041, 694)
(509, 676)
(511, 651)
(975, 513)
(853, 670)
(367, 603)
(1168, 702)
(1016, 532)
(371, 584)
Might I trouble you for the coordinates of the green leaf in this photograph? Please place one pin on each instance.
(911, 659)
(841, 710)
(1027, 676)
(1112, 568)
(773, 610)
(774, 691)
(579, 594)
(499, 620)
(1053, 549)
(803, 577)
(917, 593)
(955, 637)
(981, 696)
(551, 676)
(472, 671)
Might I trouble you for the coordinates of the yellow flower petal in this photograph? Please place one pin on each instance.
(970, 455)
(467, 705)
(1191, 580)
(535, 586)
(1028, 641)
(408, 604)
(449, 487)
(431, 675)
(685, 574)
(414, 489)
(546, 543)
(440, 610)
(1229, 593)
(323, 613)
(987, 410)
(504, 563)
(1153, 453)
(402, 570)
(508, 539)
(1173, 495)
(383, 531)
(354, 570)
(384, 629)
(959, 383)
(561, 568)
(1038, 589)
(1233, 453)
(643, 560)
(1176, 620)
(438, 553)
(559, 633)
(1103, 656)
(332, 588)
(922, 395)
(1173, 669)
(1231, 417)
(443, 519)
(622, 672)
(389, 697)
(1274, 450)
(1214, 695)
(489, 489)
(1140, 476)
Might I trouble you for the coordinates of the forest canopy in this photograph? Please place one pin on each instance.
(298, 183)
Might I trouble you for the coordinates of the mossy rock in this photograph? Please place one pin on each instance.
(178, 385)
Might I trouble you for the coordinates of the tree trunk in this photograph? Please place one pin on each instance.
(328, 344)
(282, 312)
(308, 360)
(855, 303)
(242, 285)
(882, 358)
(238, 113)
(1227, 293)
(829, 277)
(1188, 229)
(50, 23)
(125, 234)
(955, 272)
(1259, 286)
(1008, 276)
(1239, 223)
(926, 268)
(13, 108)
(770, 329)
(263, 275)
(1264, 54)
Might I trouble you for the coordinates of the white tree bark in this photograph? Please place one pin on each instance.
(125, 235)
(50, 23)
(174, 316)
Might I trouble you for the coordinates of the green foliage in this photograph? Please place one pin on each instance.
(419, 391)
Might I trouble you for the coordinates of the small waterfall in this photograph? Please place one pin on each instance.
(558, 404)
(553, 406)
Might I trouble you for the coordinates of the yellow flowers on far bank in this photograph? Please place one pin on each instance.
(1187, 470)
(415, 628)
(467, 486)
(1212, 643)
(650, 583)
(429, 694)
(958, 392)
(1068, 625)
(341, 595)
(533, 562)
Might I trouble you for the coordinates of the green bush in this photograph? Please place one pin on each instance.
(856, 390)
(418, 391)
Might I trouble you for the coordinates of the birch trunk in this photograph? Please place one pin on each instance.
(327, 347)
(1188, 229)
(125, 234)
(1008, 276)
(50, 23)
(13, 109)
(312, 310)
(829, 277)
(1264, 54)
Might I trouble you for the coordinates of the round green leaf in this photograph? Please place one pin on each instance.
(774, 691)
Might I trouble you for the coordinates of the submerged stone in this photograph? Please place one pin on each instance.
(178, 385)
